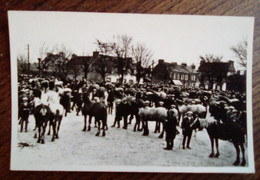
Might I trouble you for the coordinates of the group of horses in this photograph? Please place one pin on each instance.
(145, 108)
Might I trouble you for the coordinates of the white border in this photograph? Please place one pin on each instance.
(231, 169)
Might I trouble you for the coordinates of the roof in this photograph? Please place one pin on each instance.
(80, 59)
(216, 67)
(174, 67)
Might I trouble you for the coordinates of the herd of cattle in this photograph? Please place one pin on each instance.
(49, 100)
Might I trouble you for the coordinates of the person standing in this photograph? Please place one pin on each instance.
(170, 127)
(187, 130)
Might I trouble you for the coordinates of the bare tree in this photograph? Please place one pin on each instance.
(241, 53)
(22, 64)
(211, 58)
(121, 48)
(75, 69)
(142, 56)
(87, 67)
(103, 65)
(43, 52)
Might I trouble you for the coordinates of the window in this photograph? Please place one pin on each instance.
(182, 77)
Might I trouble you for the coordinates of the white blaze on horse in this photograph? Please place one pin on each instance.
(225, 131)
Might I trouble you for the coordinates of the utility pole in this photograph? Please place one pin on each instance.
(28, 56)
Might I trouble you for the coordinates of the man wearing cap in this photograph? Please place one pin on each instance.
(170, 127)
(24, 111)
(186, 129)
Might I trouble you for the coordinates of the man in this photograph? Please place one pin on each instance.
(24, 111)
(170, 127)
(186, 129)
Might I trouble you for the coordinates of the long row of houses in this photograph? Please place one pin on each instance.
(208, 74)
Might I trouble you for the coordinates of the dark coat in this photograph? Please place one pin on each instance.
(170, 125)
(187, 130)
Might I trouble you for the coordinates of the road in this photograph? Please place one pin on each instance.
(119, 147)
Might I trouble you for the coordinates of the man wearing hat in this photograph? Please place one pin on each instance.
(24, 111)
(186, 129)
(170, 127)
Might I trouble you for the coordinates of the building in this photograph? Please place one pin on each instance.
(213, 75)
(179, 75)
(100, 67)
(237, 82)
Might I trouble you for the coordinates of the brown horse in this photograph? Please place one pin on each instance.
(98, 110)
(225, 131)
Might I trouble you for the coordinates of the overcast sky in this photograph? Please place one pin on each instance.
(174, 38)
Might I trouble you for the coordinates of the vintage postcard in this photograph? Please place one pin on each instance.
(131, 92)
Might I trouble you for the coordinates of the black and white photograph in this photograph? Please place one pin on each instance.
(122, 92)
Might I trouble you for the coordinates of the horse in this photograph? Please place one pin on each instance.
(224, 131)
(96, 109)
(122, 110)
(87, 111)
(100, 113)
(55, 122)
(158, 114)
(42, 115)
(128, 106)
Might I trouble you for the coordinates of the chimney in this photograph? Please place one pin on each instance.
(184, 64)
(231, 63)
(160, 61)
(238, 72)
(174, 63)
(193, 67)
(95, 54)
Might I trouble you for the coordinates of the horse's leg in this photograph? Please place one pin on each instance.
(53, 124)
(163, 126)
(43, 132)
(146, 130)
(85, 121)
(39, 133)
(49, 132)
(139, 124)
(144, 127)
(89, 122)
(125, 122)
(96, 123)
(156, 127)
(103, 127)
(114, 124)
(98, 128)
(243, 154)
(21, 130)
(212, 147)
(159, 127)
(118, 122)
(26, 125)
(136, 122)
(130, 119)
(58, 128)
(217, 154)
(238, 151)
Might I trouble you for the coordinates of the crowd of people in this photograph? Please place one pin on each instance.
(183, 106)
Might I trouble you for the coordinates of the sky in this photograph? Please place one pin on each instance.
(174, 38)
